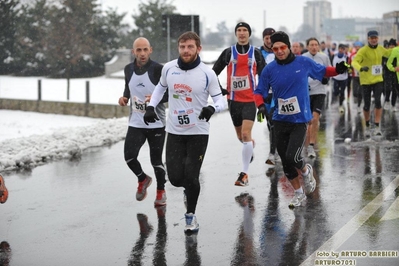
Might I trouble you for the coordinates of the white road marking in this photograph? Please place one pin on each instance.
(355, 223)
(392, 212)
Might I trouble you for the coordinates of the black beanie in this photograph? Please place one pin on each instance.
(243, 24)
(268, 31)
(280, 36)
(392, 41)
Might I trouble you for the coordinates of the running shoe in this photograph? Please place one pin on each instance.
(192, 225)
(309, 180)
(242, 180)
(387, 106)
(3, 191)
(271, 160)
(311, 152)
(359, 109)
(142, 188)
(160, 199)
(297, 200)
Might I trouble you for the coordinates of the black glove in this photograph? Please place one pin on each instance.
(206, 113)
(224, 91)
(364, 69)
(324, 81)
(341, 67)
(150, 116)
(262, 112)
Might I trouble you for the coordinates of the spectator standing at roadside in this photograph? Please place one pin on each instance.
(189, 83)
(317, 92)
(243, 62)
(141, 76)
(368, 62)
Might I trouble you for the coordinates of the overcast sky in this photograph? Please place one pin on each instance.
(279, 13)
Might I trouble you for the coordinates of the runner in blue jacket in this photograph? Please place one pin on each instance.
(288, 76)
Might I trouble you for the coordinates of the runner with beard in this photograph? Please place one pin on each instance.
(189, 83)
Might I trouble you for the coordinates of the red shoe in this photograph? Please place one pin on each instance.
(242, 180)
(142, 188)
(3, 191)
(160, 200)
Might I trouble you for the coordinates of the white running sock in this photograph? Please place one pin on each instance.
(247, 150)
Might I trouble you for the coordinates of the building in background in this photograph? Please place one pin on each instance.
(349, 29)
(317, 15)
(314, 14)
(389, 28)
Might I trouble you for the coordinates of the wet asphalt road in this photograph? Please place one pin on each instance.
(85, 213)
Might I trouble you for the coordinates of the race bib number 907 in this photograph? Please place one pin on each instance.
(240, 83)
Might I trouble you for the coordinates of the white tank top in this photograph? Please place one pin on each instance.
(141, 89)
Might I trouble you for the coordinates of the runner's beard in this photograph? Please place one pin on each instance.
(189, 59)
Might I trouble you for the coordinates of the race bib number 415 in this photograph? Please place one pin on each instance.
(288, 106)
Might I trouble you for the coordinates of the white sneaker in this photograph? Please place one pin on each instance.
(359, 109)
(309, 180)
(311, 152)
(271, 159)
(192, 225)
(387, 106)
(297, 200)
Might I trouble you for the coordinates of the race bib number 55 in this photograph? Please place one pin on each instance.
(288, 106)
(184, 118)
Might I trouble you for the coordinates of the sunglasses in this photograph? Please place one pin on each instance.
(282, 48)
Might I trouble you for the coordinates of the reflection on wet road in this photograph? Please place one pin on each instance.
(85, 213)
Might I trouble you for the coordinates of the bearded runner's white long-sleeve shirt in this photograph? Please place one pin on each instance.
(189, 91)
